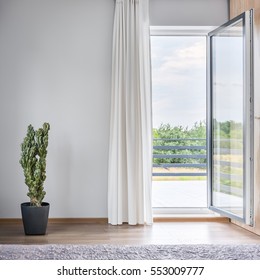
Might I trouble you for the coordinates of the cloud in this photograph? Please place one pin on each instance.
(174, 65)
(182, 59)
(179, 77)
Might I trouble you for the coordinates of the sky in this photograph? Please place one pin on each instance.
(179, 79)
(228, 79)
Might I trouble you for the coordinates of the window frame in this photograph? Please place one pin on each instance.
(183, 31)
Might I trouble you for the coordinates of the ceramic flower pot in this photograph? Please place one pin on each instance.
(35, 219)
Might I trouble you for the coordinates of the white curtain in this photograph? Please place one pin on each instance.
(130, 151)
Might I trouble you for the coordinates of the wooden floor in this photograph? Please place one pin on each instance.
(158, 233)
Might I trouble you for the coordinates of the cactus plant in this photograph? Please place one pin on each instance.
(33, 162)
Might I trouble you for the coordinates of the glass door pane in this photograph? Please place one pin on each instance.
(230, 119)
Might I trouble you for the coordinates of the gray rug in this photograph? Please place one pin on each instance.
(145, 252)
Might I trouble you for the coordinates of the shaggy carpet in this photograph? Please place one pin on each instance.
(143, 252)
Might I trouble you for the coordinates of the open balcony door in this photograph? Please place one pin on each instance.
(230, 121)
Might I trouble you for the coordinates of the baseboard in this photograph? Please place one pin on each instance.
(78, 220)
(105, 220)
(60, 221)
(10, 221)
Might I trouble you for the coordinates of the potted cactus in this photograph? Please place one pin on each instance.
(33, 161)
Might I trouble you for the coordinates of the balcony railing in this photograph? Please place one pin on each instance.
(187, 157)
(189, 154)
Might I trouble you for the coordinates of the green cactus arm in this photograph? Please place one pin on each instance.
(33, 162)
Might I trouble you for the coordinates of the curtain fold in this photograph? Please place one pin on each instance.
(130, 150)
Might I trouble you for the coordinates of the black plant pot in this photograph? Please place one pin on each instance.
(35, 219)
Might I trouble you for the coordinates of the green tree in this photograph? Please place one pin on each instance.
(167, 135)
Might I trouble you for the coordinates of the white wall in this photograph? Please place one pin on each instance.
(55, 66)
(189, 12)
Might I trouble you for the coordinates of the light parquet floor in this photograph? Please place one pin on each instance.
(158, 233)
